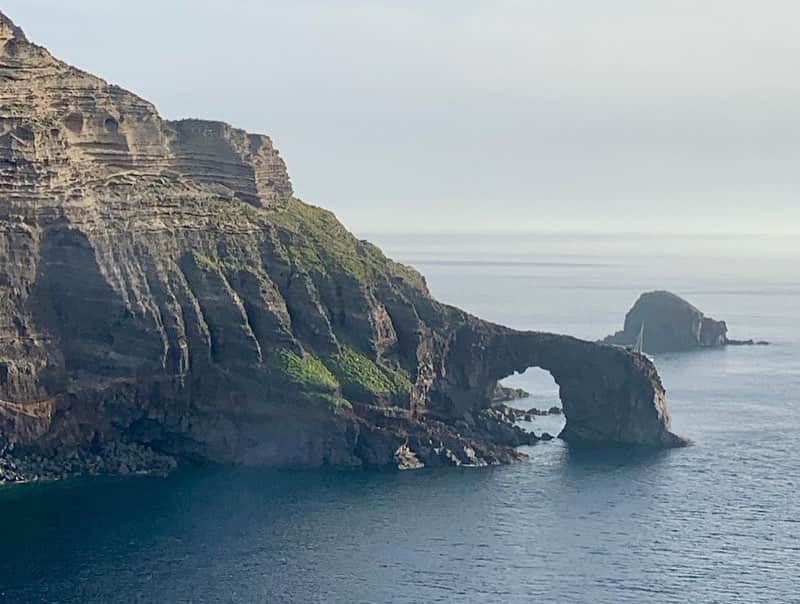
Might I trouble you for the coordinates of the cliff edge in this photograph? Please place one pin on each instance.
(163, 295)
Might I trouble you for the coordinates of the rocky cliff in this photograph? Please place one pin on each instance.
(671, 324)
(161, 290)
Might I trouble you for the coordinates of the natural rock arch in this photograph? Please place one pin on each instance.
(609, 395)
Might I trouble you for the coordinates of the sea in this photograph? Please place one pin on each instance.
(718, 522)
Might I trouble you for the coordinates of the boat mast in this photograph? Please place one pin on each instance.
(639, 345)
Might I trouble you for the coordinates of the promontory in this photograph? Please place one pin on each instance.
(164, 296)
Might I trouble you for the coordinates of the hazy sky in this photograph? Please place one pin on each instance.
(653, 115)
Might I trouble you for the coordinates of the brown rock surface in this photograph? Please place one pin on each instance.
(159, 287)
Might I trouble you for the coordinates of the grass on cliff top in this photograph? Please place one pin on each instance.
(324, 245)
(360, 376)
(307, 372)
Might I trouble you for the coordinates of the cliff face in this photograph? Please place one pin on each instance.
(671, 324)
(160, 287)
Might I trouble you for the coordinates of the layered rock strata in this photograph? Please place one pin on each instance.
(161, 288)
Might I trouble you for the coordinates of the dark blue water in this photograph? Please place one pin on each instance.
(717, 522)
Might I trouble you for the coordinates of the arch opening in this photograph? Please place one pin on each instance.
(543, 401)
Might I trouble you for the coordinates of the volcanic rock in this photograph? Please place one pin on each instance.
(671, 324)
(504, 394)
(161, 289)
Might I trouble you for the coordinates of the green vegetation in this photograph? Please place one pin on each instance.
(205, 262)
(319, 243)
(322, 244)
(306, 371)
(360, 376)
(230, 264)
(316, 243)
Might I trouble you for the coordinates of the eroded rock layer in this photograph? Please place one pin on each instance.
(161, 288)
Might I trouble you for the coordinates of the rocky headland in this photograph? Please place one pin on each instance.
(671, 324)
(163, 296)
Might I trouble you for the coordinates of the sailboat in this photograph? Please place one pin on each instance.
(638, 345)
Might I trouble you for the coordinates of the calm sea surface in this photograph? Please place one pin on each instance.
(717, 522)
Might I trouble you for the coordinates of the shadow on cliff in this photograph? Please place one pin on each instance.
(72, 300)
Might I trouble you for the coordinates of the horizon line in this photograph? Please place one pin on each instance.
(567, 232)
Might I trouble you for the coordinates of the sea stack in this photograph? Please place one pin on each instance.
(671, 324)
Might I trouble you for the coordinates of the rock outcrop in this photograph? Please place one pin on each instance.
(671, 324)
(504, 394)
(161, 288)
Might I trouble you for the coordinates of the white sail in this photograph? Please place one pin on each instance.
(638, 346)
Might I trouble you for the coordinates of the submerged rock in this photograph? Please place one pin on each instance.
(160, 287)
(671, 324)
(534, 412)
(748, 342)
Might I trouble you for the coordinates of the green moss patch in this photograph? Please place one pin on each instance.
(229, 265)
(360, 376)
(307, 371)
(204, 262)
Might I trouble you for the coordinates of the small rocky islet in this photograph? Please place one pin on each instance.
(671, 324)
(165, 297)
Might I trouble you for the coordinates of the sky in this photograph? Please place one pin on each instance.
(675, 116)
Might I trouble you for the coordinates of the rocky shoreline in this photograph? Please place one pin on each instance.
(490, 437)
(18, 465)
